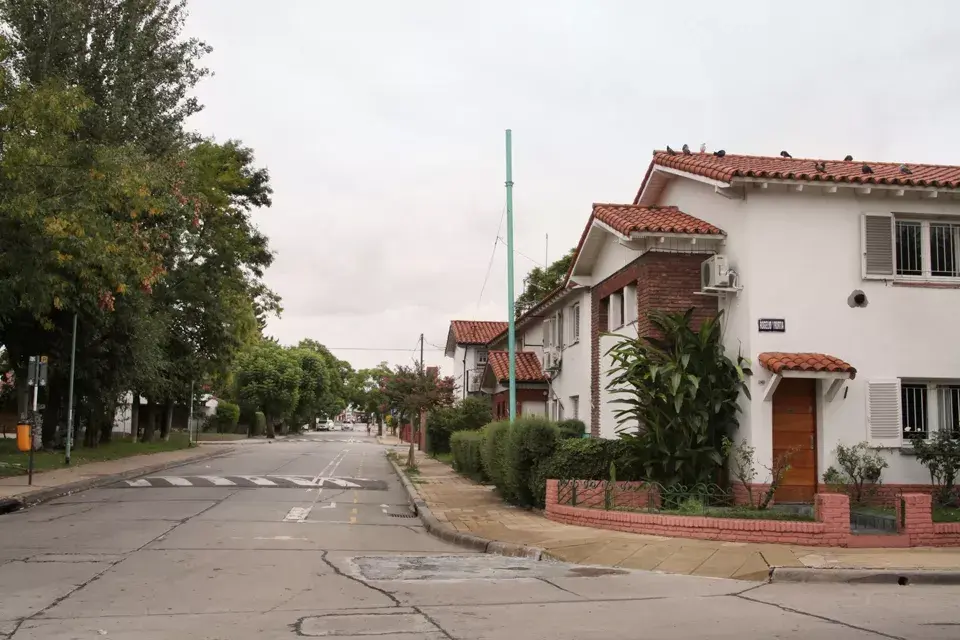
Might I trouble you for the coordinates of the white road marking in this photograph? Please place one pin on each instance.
(297, 514)
(259, 481)
(340, 482)
(177, 481)
(138, 483)
(218, 481)
(332, 505)
(297, 480)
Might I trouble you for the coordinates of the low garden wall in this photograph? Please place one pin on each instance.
(633, 506)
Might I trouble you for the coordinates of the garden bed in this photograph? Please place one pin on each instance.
(733, 513)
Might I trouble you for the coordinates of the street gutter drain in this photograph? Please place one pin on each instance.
(403, 515)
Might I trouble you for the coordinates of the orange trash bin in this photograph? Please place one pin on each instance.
(23, 437)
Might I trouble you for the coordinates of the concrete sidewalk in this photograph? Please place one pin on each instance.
(475, 509)
(77, 478)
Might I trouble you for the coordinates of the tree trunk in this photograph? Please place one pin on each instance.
(134, 415)
(106, 425)
(149, 428)
(379, 425)
(167, 424)
(270, 432)
(92, 430)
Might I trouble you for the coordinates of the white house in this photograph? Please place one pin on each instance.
(838, 279)
(555, 331)
(467, 346)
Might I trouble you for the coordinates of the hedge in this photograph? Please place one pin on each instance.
(466, 447)
(227, 416)
(469, 415)
(493, 440)
(259, 424)
(590, 459)
(571, 428)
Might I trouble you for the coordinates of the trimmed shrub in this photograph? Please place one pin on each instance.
(227, 416)
(466, 447)
(470, 414)
(259, 424)
(571, 428)
(590, 458)
(494, 439)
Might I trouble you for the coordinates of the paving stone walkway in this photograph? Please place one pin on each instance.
(474, 508)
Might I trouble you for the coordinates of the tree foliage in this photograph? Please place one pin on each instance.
(541, 281)
(678, 394)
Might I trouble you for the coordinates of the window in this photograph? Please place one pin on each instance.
(482, 357)
(575, 407)
(630, 304)
(913, 411)
(546, 332)
(616, 310)
(558, 329)
(927, 405)
(910, 247)
(575, 323)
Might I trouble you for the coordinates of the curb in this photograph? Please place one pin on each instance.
(449, 534)
(39, 496)
(902, 577)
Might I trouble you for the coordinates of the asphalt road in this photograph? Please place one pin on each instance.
(309, 539)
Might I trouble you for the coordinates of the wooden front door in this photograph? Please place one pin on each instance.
(795, 427)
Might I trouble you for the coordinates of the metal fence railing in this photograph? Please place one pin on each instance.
(644, 496)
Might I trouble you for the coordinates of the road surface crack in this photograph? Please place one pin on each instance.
(337, 571)
(819, 617)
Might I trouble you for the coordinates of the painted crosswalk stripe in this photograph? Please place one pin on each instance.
(299, 481)
(218, 481)
(259, 481)
(340, 482)
(297, 514)
(177, 481)
(138, 483)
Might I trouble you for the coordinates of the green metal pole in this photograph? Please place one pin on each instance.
(73, 358)
(511, 311)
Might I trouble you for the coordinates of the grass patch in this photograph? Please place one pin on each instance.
(946, 514)
(445, 458)
(220, 437)
(14, 462)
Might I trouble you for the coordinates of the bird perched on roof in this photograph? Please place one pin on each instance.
(671, 151)
(719, 153)
(686, 150)
(866, 169)
(703, 147)
(820, 166)
(905, 169)
(784, 154)
(848, 158)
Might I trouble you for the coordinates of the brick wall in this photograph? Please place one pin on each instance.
(918, 524)
(501, 401)
(831, 529)
(665, 281)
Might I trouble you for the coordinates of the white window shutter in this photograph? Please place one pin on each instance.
(877, 245)
(884, 426)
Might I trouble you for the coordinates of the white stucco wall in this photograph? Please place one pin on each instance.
(574, 378)
(799, 258)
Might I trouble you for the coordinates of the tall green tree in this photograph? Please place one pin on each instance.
(541, 281)
(268, 380)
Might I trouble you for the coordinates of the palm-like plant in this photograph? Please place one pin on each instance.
(678, 394)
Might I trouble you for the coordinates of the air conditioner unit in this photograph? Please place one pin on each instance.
(714, 274)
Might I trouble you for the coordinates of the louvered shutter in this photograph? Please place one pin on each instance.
(884, 426)
(877, 242)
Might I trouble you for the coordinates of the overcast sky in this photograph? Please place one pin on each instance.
(382, 124)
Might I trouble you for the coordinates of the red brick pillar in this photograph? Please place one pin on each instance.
(552, 495)
(833, 510)
(918, 517)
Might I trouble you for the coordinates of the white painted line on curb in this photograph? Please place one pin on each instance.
(138, 483)
(177, 481)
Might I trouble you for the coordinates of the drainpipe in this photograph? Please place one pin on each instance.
(466, 380)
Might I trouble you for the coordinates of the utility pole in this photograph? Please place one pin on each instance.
(421, 354)
(511, 311)
(73, 358)
(546, 250)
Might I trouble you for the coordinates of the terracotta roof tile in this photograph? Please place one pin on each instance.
(476, 331)
(630, 218)
(732, 166)
(778, 362)
(528, 366)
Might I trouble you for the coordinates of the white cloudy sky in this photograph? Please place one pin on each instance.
(382, 124)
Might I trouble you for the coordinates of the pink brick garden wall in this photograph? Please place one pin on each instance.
(831, 528)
